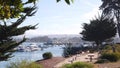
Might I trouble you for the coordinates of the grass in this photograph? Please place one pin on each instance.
(78, 65)
(24, 64)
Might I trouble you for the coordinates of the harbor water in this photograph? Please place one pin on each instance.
(34, 55)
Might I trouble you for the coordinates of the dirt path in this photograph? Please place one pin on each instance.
(76, 58)
(57, 62)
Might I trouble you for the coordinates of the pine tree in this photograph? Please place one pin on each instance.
(112, 8)
(11, 29)
(99, 30)
(67, 1)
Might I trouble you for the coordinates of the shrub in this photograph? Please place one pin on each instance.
(67, 66)
(78, 65)
(47, 55)
(24, 64)
(112, 57)
(92, 51)
(68, 51)
(109, 49)
(102, 61)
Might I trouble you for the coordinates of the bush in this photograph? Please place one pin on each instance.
(68, 51)
(78, 65)
(102, 61)
(112, 57)
(47, 55)
(109, 49)
(24, 64)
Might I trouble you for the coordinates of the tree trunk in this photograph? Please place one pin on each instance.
(98, 47)
(113, 48)
(118, 21)
(118, 28)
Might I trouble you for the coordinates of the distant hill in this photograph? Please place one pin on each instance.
(39, 39)
(54, 38)
(64, 35)
(48, 38)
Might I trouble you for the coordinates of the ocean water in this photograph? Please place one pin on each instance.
(33, 56)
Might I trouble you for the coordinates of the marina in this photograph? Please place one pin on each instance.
(28, 48)
(33, 55)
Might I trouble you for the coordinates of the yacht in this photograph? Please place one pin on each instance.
(29, 48)
(34, 47)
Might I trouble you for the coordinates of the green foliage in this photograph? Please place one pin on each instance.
(69, 51)
(78, 65)
(7, 44)
(67, 1)
(111, 8)
(12, 28)
(109, 49)
(117, 47)
(13, 8)
(109, 54)
(102, 61)
(112, 57)
(24, 64)
(47, 55)
(99, 29)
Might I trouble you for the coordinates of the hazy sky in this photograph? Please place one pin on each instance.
(60, 18)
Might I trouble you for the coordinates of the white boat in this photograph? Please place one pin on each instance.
(34, 47)
(21, 48)
(29, 48)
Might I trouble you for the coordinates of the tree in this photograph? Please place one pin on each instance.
(99, 30)
(67, 1)
(12, 10)
(112, 8)
(15, 8)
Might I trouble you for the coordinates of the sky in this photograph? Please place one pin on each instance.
(60, 18)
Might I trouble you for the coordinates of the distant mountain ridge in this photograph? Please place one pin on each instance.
(49, 38)
(63, 35)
